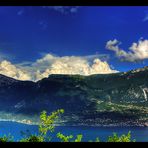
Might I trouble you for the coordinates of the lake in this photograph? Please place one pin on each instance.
(89, 133)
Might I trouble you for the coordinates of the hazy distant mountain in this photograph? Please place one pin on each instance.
(102, 99)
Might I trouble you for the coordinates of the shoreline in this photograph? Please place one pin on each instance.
(21, 122)
(84, 125)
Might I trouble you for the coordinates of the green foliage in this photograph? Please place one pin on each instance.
(122, 138)
(33, 138)
(79, 138)
(47, 122)
(64, 138)
(97, 140)
(116, 138)
(5, 138)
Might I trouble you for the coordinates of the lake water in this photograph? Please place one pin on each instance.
(89, 133)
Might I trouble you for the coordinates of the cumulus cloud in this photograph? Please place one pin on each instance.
(50, 64)
(137, 51)
(10, 70)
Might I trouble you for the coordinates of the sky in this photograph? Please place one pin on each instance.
(36, 41)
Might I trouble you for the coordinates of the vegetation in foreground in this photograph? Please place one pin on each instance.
(47, 125)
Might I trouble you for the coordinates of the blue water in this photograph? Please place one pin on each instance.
(89, 133)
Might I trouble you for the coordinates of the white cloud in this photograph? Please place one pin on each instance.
(10, 70)
(137, 51)
(51, 64)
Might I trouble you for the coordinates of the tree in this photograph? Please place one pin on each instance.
(46, 124)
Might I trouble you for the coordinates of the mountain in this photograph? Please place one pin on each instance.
(101, 99)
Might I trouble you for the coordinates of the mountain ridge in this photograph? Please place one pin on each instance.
(100, 99)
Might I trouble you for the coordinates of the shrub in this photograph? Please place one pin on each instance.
(64, 138)
(5, 138)
(122, 138)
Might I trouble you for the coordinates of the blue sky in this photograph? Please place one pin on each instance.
(28, 33)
